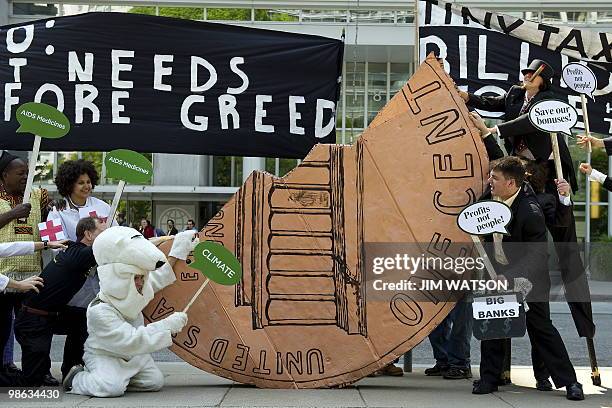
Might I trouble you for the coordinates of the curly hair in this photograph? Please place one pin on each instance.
(70, 171)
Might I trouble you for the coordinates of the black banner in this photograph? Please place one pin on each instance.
(487, 61)
(157, 84)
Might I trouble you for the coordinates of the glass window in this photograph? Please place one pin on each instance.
(228, 14)
(377, 88)
(373, 16)
(532, 16)
(227, 171)
(284, 166)
(405, 16)
(319, 16)
(400, 73)
(352, 135)
(355, 110)
(143, 10)
(604, 17)
(355, 101)
(44, 168)
(554, 16)
(277, 15)
(187, 13)
(577, 16)
(34, 9)
(138, 210)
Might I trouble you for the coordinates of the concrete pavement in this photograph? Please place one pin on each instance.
(187, 386)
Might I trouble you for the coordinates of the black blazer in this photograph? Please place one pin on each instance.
(608, 145)
(555, 213)
(517, 126)
(526, 227)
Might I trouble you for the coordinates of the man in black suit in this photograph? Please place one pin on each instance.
(523, 253)
(522, 139)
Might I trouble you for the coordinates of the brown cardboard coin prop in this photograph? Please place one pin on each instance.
(301, 316)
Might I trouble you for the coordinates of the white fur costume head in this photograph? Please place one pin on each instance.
(122, 253)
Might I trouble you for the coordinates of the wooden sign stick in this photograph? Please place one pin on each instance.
(484, 256)
(196, 295)
(587, 128)
(556, 155)
(31, 169)
(115, 204)
(595, 376)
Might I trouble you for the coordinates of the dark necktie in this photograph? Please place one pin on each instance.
(520, 144)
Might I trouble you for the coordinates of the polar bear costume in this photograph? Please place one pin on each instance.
(117, 352)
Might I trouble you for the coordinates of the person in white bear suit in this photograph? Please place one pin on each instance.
(117, 352)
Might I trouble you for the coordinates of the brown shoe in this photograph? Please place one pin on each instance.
(391, 370)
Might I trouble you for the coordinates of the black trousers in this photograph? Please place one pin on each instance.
(577, 292)
(546, 342)
(9, 302)
(34, 333)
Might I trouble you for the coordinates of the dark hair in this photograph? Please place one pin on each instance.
(191, 221)
(170, 220)
(70, 171)
(546, 85)
(511, 167)
(86, 224)
(536, 174)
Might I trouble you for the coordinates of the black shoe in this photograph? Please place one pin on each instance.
(11, 369)
(574, 392)
(458, 373)
(67, 381)
(481, 387)
(436, 370)
(544, 385)
(50, 381)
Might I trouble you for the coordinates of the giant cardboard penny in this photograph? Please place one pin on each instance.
(301, 316)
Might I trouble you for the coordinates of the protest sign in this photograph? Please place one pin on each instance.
(169, 85)
(126, 166)
(485, 217)
(217, 264)
(553, 116)
(580, 78)
(42, 121)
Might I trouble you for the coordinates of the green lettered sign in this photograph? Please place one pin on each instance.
(129, 166)
(217, 263)
(42, 120)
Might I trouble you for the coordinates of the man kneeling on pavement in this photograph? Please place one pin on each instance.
(44, 313)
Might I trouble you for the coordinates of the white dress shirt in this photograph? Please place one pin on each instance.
(13, 249)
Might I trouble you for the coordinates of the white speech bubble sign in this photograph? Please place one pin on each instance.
(580, 78)
(485, 217)
(553, 116)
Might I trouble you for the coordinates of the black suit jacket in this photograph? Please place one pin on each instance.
(608, 145)
(526, 245)
(555, 213)
(517, 126)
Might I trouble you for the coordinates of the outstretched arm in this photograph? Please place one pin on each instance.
(183, 244)
(116, 336)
